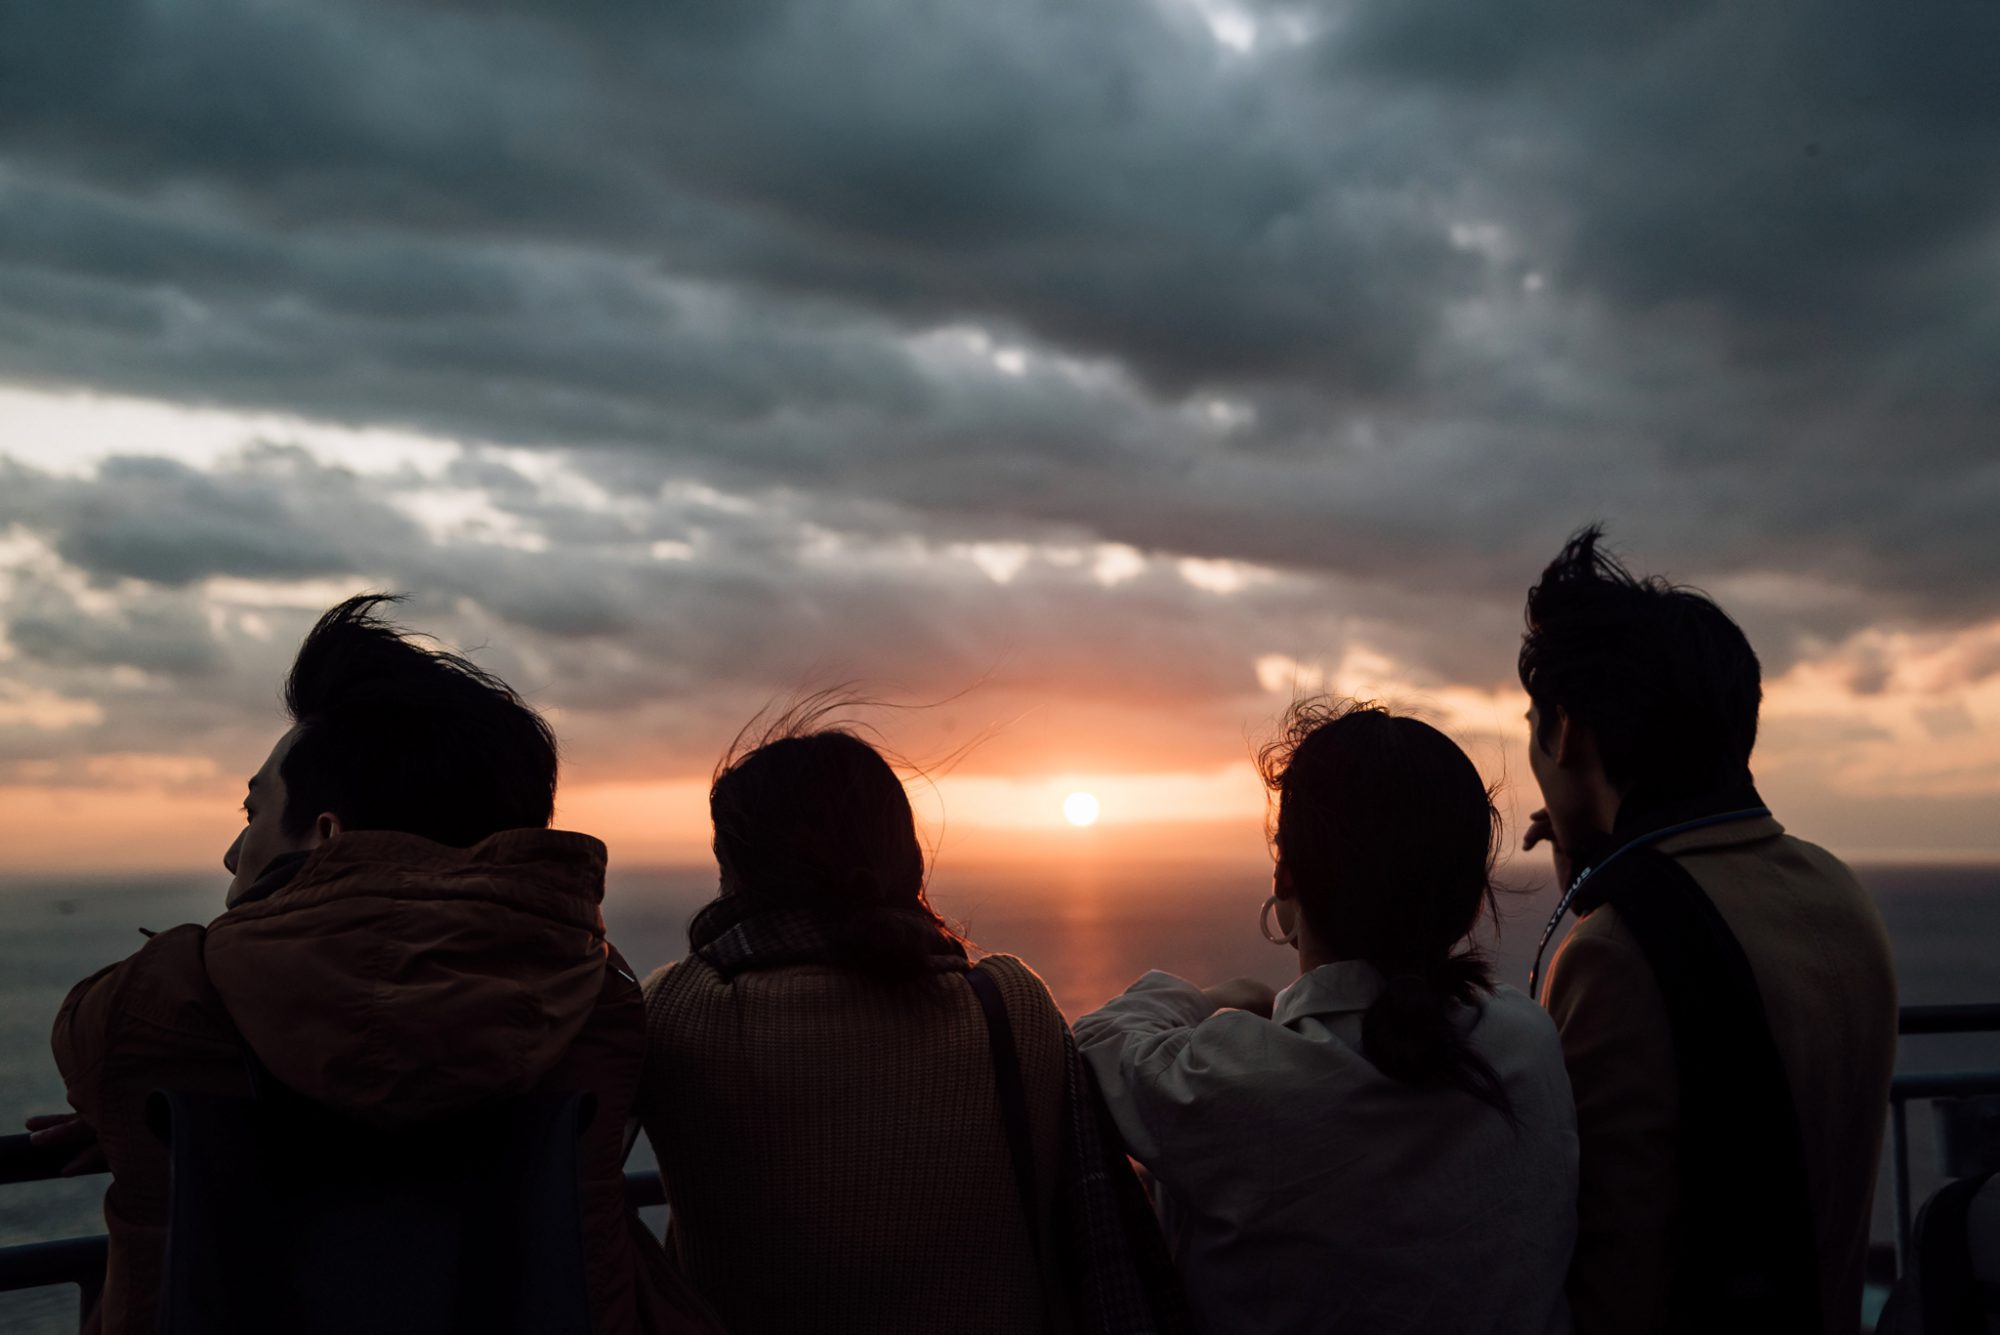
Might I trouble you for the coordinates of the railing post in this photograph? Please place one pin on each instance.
(1900, 1179)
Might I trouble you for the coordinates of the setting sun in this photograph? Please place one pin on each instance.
(1080, 809)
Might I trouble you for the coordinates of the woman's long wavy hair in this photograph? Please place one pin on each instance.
(1389, 837)
(808, 814)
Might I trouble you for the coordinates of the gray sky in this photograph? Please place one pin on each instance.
(1136, 359)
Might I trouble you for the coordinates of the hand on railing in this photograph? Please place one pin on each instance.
(58, 1132)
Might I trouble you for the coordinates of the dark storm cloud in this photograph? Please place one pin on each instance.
(1103, 176)
(164, 635)
(1460, 278)
(279, 516)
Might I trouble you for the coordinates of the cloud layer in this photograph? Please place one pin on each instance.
(1095, 353)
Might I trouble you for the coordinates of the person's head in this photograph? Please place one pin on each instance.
(1631, 682)
(814, 817)
(1385, 837)
(390, 734)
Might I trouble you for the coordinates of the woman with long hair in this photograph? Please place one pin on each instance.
(1388, 1144)
(858, 1129)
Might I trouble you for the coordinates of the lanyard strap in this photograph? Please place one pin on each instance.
(1652, 837)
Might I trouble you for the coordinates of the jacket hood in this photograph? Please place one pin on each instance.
(401, 981)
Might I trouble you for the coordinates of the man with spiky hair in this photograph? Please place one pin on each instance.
(404, 941)
(1726, 1000)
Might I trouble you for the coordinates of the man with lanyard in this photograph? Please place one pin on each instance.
(1726, 999)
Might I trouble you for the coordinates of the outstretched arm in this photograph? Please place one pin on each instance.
(1143, 1048)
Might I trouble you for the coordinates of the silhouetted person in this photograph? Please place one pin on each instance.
(404, 941)
(1726, 999)
(1388, 1144)
(822, 1086)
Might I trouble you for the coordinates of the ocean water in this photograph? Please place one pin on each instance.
(1087, 928)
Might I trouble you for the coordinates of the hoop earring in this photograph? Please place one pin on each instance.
(1290, 938)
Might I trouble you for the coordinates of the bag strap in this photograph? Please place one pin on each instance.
(1013, 1097)
(1014, 1112)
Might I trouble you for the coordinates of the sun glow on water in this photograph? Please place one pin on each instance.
(1080, 809)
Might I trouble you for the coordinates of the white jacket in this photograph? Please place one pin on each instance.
(1305, 1191)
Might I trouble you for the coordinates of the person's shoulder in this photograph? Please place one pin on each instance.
(1601, 967)
(656, 980)
(1022, 988)
(1600, 935)
(682, 983)
(1818, 863)
(1779, 856)
(170, 964)
(1511, 1006)
(1512, 1018)
(164, 984)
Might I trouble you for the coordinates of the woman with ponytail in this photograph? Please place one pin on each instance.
(1389, 1144)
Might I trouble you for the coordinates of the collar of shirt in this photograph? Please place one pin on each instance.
(1331, 989)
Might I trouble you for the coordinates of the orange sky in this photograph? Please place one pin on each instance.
(1144, 678)
(1892, 790)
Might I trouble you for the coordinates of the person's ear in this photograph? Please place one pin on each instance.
(1570, 740)
(326, 829)
(1576, 747)
(1281, 881)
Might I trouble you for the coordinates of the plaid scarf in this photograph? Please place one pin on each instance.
(1115, 1270)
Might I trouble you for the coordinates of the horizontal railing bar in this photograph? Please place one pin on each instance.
(21, 1160)
(40, 1265)
(1974, 1019)
(1943, 1085)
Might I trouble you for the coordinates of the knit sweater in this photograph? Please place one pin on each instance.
(833, 1149)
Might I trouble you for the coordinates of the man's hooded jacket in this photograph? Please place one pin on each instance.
(391, 979)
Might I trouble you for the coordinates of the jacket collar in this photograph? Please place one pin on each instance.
(557, 874)
(1331, 989)
(1644, 811)
(278, 873)
(1648, 810)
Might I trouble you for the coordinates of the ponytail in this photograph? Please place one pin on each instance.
(1411, 1035)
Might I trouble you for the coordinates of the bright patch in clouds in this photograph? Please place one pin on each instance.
(23, 706)
(70, 434)
(1080, 809)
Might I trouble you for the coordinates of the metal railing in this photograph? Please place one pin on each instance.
(1905, 1089)
(80, 1261)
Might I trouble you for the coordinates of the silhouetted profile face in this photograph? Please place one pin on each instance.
(1640, 688)
(392, 734)
(1575, 793)
(264, 836)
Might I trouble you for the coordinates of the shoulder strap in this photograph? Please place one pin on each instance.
(1747, 1258)
(1014, 1112)
(1013, 1096)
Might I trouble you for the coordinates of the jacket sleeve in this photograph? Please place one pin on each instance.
(150, 1020)
(1619, 1050)
(1139, 1046)
(82, 1037)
